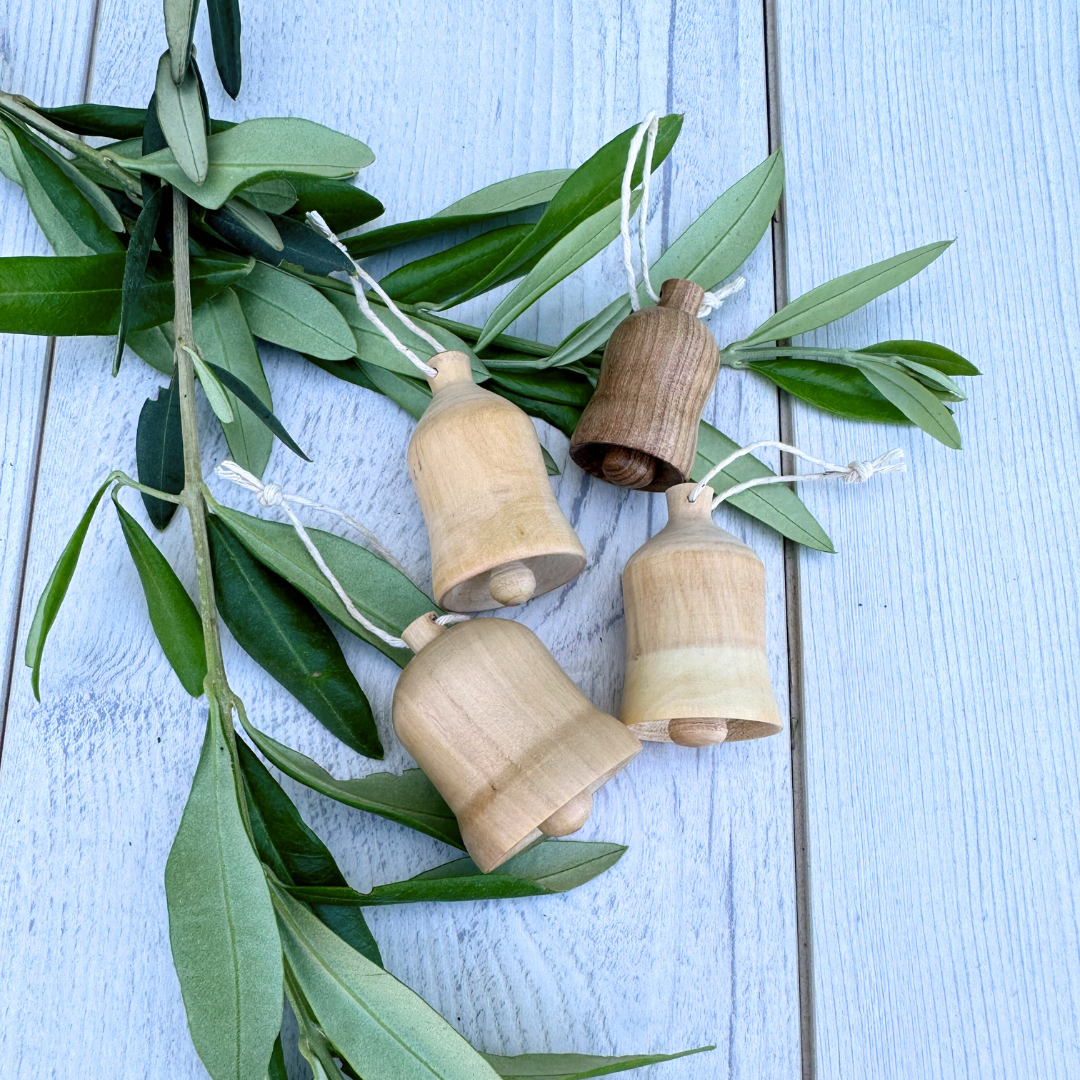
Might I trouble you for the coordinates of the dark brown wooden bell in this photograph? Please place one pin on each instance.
(640, 428)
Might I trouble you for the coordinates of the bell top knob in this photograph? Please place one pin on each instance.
(450, 367)
(421, 631)
(680, 508)
(682, 295)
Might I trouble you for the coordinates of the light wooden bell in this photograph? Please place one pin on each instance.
(697, 672)
(512, 744)
(497, 534)
(640, 428)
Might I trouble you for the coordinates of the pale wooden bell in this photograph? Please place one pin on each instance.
(497, 534)
(640, 428)
(511, 743)
(697, 672)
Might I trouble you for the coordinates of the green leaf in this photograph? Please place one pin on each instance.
(55, 590)
(225, 34)
(180, 113)
(216, 397)
(545, 869)
(493, 201)
(836, 388)
(560, 387)
(926, 352)
(914, 400)
(383, 1029)
(941, 384)
(246, 396)
(712, 248)
(159, 451)
(563, 418)
(300, 245)
(225, 943)
(591, 187)
(138, 254)
(276, 1069)
(68, 219)
(409, 799)
(412, 395)
(380, 591)
(223, 337)
(110, 121)
(240, 219)
(155, 346)
(572, 251)
(257, 150)
(575, 1066)
(283, 633)
(774, 504)
(59, 297)
(174, 617)
(180, 18)
(342, 205)
(844, 294)
(8, 167)
(440, 277)
(273, 196)
(295, 854)
(289, 312)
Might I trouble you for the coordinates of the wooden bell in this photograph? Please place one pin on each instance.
(640, 428)
(497, 534)
(697, 672)
(512, 744)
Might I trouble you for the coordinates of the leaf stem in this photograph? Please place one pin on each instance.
(123, 480)
(738, 356)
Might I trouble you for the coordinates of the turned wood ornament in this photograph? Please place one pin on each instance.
(697, 672)
(640, 428)
(497, 534)
(511, 743)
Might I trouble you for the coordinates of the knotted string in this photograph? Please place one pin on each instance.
(271, 495)
(358, 275)
(854, 472)
(647, 130)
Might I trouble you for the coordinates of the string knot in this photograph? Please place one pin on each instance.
(271, 495)
(712, 300)
(859, 471)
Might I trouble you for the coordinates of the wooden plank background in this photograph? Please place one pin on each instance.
(938, 668)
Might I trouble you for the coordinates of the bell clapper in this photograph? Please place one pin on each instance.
(569, 817)
(512, 584)
(628, 468)
(698, 731)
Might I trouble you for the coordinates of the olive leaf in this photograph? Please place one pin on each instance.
(246, 396)
(409, 799)
(572, 251)
(180, 113)
(286, 311)
(109, 121)
(138, 254)
(226, 343)
(563, 418)
(710, 249)
(380, 591)
(836, 388)
(843, 295)
(295, 854)
(255, 150)
(561, 387)
(225, 35)
(383, 1029)
(342, 205)
(276, 1069)
(180, 18)
(925, 352)
(173, 615)
(48, 606)
(438, 278)
(225, 943)
(273, 196)
(576, 1066)
(246, 226)
(914, 400)
(555, 866)
(159, 451)
(494, 201)
(77, 296)
(215, 393)
(298, 245)
(279, 628)
(774, 504)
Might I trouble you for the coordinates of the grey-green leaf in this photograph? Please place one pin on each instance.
(279, 628)
(845, 294)
(180, 113)
(255, 221)
(273, 196)
(289, 312)
(243, 393)
(179, 28)
(56, 588)
(774, 504)
(225, 341)
(383, 1029)
(575, 1066)
(409, 799)
(138, 253)
(926, 352)
(914, 400)
(224, 938)
(174, 617)
(212, 388)
(255, 150)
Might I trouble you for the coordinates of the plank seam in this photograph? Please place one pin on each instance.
(792, 593)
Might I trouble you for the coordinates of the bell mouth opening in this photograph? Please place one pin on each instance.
(512, 583)
(626, 466)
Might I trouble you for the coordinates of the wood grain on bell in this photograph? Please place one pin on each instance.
(640, 428)
(511, 743)
(497, 534)
(694, 599)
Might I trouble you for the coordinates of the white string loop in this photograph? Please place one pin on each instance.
(712, 300)
(271, 495)
(854, 472)
(646, 129)
(359, 275)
